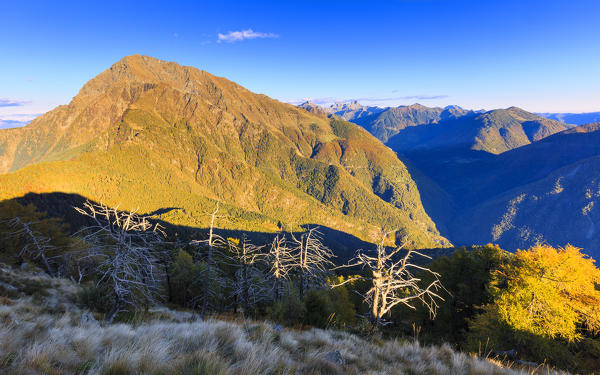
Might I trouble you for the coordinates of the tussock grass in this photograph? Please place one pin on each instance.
(36, 338)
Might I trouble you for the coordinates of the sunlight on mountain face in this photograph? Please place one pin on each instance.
(428, 207)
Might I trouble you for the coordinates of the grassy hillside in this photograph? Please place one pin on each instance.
(149, 135)
(45, 331)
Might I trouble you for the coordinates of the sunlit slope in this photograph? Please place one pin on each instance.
(173, 136)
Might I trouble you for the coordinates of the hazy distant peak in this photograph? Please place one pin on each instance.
(352, 110)
(574, 118)
(417, 106)
(314, 108)
(351, 105)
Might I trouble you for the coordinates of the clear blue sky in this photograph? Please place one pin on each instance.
(539, 55)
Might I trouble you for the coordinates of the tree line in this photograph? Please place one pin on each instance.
(541, 304)
(129, 261)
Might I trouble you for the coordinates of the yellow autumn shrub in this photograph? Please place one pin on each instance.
(550, 292)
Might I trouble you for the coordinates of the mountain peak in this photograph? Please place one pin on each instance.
(144, 62)
(186, 137)
(142, 69)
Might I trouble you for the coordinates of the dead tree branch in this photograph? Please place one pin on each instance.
(37, 246)
(312, 258)
(123, 244)
(394, 280)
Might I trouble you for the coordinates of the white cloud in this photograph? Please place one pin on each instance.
(5, 102)
(16, 120)
(19, 116)
(7, 124)
(237, 36)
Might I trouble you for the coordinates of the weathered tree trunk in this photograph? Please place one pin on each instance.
(168, 279)
(302, 265)
(209, 260)
(110, 317)
(206, 286)
(245, 292)
(38, 246)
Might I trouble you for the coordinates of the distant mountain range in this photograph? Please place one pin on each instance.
(504, 176)
(393, 120)
(160, 137)
(574, 118)
(350, 111)
(494, 131)
(402, 128)
(387, 122)
(547, 191)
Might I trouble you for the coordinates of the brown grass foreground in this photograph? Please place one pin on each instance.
(42, 333)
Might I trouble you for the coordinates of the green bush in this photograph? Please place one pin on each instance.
(289, 311)
(184, 278)
(319, 309)
(344, 311)
(95, 298)
(466, 275)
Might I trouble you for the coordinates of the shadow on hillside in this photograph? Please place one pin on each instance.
(61, 205)
(162, 211)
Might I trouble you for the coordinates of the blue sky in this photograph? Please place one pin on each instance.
(542, 56)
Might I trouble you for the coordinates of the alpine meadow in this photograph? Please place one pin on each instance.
(198, 188)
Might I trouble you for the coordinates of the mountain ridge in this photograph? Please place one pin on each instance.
(494, 131)
(544, 191)
(150, 134)
(573, 118)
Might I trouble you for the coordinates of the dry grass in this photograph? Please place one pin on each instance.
(46, 337)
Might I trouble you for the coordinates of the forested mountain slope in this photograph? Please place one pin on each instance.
(148, 134)
(494, 132)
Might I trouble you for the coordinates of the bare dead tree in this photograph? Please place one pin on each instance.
(214, 244)
(123, 243)
(280, 260)
(37, 246)
(312, 258)
(248, 287)
(393, 280)
(78, 264)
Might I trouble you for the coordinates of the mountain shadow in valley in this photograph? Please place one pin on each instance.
(62, 206)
